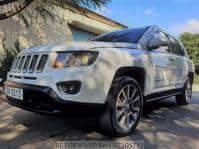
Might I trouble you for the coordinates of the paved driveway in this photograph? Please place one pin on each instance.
(163, 125)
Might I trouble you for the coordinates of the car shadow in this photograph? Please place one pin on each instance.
(163, 124)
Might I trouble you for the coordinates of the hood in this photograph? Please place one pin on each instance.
(78, 46)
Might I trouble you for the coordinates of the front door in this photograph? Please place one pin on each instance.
(164, 65)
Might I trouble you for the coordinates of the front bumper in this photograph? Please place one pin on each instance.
(44, 100)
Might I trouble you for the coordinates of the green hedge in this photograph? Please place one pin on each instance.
(196, 81)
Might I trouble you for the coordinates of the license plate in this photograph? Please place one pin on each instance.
(14, 92)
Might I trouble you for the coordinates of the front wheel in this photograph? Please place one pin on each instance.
(124, 107)
(185, 97)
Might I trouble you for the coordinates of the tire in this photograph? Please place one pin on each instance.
(185, 97)
(123, 108)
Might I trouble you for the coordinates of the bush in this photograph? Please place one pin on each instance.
(7, 58)
(191, 43)
(196, 80)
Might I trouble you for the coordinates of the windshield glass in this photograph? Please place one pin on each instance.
(127, 35)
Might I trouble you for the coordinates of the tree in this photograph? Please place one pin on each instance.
(7, 58)
(9, 8)
(191, 43)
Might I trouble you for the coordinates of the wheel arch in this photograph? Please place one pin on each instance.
(137, 73)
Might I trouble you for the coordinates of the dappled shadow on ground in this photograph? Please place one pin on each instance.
(167, 125)
(163, 125)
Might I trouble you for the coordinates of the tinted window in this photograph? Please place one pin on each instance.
(176, 47)
(128, 35)
(160, 34)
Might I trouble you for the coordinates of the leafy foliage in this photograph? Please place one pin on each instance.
(196, 80)
(191, 43)
(7, 58)
(10, 8)
(13, 7)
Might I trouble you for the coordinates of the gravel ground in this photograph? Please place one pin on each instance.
(163, 125)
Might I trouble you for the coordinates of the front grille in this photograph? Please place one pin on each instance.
(30, 63)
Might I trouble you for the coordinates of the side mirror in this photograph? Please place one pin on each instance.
(157, 41)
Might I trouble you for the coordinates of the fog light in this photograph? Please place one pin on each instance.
(69, 87)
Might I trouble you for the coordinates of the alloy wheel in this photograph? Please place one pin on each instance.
(188, 92)
(127, 106)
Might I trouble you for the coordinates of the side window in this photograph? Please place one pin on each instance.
(162, 35)
(176, 47)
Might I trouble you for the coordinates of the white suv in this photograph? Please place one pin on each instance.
(118, 72)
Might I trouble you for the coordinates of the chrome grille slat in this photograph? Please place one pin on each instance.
(26, 64)
(33, 63)
(21, 63)
(42, 63)
(17, 63)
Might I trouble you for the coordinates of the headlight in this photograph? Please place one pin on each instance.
(75, 59)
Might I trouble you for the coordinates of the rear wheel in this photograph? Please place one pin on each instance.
(185, 97)
(123, 108)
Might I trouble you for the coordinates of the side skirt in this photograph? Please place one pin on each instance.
(162, 95)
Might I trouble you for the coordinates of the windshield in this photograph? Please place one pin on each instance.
(127, 35)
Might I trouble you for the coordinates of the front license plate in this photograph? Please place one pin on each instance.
(14, 92)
